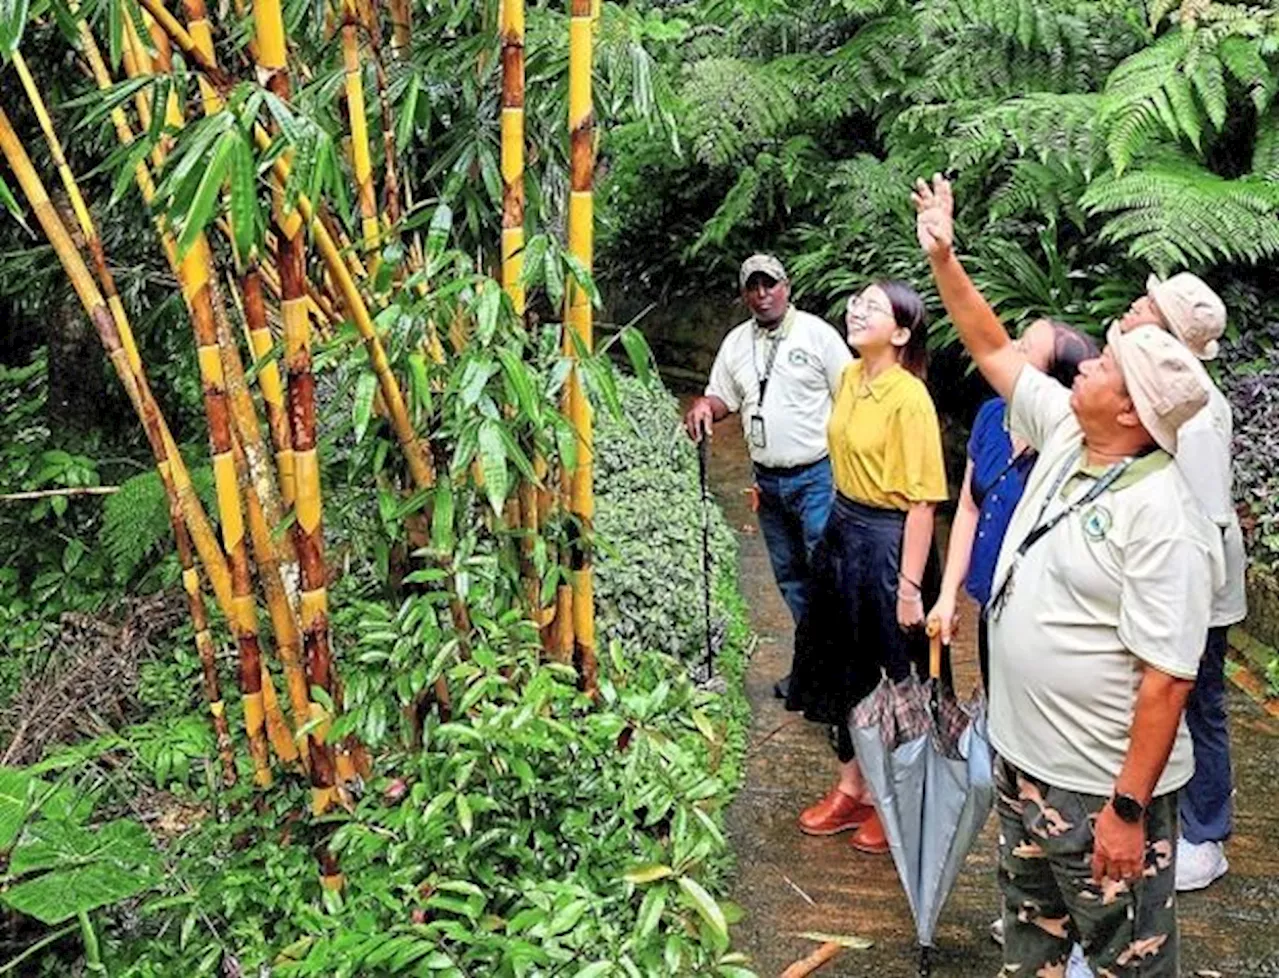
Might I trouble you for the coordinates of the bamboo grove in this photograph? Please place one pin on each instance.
(280, 235)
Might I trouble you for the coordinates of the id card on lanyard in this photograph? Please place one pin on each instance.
(1041, 527)
(756, 434)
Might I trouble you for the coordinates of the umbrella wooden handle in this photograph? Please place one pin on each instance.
(935, 651)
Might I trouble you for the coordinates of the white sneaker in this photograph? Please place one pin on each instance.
(1077, 966)
(1198, 865)
(997, 931)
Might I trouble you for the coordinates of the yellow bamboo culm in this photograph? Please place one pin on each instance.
(511, 28)
(308, 530)
(581, 233)
(182, 538)
(371, 230)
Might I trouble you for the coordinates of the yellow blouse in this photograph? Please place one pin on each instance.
(886, 448)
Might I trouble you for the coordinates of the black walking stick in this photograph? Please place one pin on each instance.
(704, 450)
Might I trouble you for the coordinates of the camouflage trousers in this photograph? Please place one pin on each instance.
(1050, 899)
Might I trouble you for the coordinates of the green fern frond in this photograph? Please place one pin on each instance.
(1039, 189)
(1138, 103)
(135, 520)
(1247, 63)
(733, 107)
(1174, 212)
(738, 205)
(1266, 148)
(1062, 129)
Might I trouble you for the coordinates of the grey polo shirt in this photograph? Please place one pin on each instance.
(1120, 584)
(810, 356)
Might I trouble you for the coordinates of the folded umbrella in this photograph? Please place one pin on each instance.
(927, 760)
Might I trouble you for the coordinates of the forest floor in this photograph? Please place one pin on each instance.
(790, 884)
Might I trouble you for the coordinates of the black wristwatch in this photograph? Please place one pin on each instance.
(1128, 808)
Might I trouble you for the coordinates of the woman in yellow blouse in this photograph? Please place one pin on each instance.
(875, 569)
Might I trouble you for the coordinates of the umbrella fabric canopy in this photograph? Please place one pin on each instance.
(927, 760)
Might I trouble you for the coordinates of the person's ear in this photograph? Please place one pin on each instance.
(1128, 416)
(900, 337)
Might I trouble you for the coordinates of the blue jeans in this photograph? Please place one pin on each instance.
(1205, 805)
(794, 505)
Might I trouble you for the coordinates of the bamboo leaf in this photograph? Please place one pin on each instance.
(553, 275)
(493, 463)
(442, 517)
(244, 198)
(438, 232)
(11, 205)
(206, 198)
(638, 352)
(406, 124)
(13, 21)
(521, 383)
(362, 404)
(517, 455)
(851, 941)
(582, 278)
(488, 305)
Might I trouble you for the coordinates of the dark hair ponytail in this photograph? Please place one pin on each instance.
(909, 314)
(1070, 349)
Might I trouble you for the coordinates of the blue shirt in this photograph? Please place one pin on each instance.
(997, 485)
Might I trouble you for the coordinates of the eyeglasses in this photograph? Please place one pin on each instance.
(857, 302)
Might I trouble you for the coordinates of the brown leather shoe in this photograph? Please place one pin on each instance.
(837, 812)
(870, 837)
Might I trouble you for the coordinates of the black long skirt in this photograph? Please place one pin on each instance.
(850, 632)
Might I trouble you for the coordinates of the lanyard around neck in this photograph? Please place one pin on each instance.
(1100, 485)
(774, 340)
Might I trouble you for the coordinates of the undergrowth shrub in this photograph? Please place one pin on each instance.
(649, 526)
(533, 832)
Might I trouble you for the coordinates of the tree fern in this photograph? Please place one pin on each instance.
(733, 106)
(1044, 190)
(1062, 129)
(1174, 212)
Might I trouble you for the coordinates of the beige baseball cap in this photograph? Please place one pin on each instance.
(765, 265)
(1192, 310)
(1167, 384)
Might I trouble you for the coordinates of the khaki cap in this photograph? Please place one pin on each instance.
(1167, 385)
(765, 265)
(1192, 310)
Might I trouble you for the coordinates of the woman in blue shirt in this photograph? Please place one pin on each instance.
(994, 478)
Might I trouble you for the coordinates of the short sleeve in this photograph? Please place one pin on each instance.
(989, 415)
(1204, 459)
(1039, 407)
(835, 357)
(1164, 602)
(721, 383)
(919, 472)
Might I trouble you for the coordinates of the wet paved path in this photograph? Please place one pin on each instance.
(789, 883)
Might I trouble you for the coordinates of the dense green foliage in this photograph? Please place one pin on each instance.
(1090, 142)
(649, 517)
(533, 833)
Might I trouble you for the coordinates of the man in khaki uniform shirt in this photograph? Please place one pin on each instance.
(1099, 608)
(1190, 310)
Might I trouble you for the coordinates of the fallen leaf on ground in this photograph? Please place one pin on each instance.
(851, 941)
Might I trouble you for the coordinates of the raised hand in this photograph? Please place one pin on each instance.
(934, 206)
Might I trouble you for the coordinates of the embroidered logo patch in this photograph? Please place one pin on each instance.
(801, 358)
(1096, 522)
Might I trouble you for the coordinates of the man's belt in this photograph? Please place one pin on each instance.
(784, 471)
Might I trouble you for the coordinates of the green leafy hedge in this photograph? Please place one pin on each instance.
(649, 527)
